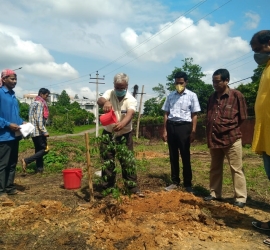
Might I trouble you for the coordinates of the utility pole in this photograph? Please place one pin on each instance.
(139, 115)
(97, 111)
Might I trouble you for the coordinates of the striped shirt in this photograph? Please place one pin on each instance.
(37, 119)
(224, 117)
(181, 106)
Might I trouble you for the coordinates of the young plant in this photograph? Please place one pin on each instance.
(115, 158)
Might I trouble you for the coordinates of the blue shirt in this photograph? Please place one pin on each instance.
(9, 113)
(180, 106)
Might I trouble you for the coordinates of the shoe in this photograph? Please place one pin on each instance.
(267, 241)
(239, 204)
(190, 190)
(3, 196)
(140, 194)
(211, 198)
(259, 225)
(171, 187)
(15, 192)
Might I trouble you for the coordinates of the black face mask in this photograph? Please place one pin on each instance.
(262, 58)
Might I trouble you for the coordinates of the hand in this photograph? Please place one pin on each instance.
(14, 127)
(107, 106)
(164, 136)
(118, 126)
(46, 134)
(192, 136)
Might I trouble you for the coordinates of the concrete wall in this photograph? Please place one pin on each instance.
(156, 131)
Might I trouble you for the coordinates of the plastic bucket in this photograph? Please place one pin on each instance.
(72, 178)
(108, 118)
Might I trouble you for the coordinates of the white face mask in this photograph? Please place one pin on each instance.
(262, 58)
(179, 88)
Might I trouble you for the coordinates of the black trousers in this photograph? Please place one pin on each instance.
(179, 139)
(128, 168)
(40, 143)
(8, 161)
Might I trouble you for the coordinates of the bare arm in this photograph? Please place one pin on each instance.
(164, 136)
(120, 125)
(102, 102)
(194, 118)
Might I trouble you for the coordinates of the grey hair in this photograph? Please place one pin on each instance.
(120, 77)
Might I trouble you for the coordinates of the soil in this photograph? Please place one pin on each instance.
(48, 216)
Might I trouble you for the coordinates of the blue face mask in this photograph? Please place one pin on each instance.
(120, 93)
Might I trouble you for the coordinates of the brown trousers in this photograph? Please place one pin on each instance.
(233, 154)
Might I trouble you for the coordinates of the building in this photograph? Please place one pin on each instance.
(87, 104)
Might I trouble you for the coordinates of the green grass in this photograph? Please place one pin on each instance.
(77, 129)
(70, 151)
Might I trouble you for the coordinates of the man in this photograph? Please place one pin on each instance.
(226, 110)
(38, 114)
(9, 123)
(124, 105)
(180, 121)
(260, 44)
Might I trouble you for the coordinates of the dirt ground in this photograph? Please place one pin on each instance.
(48, 216)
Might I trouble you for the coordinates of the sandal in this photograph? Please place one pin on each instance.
(267, 241)
(262, 226)
(15, 192)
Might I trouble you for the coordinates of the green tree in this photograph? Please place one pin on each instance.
(63, 100)
(24, 110)
(195, 83)
(250, 90)
(152, 107)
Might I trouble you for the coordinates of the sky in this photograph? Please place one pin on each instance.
(58, 44)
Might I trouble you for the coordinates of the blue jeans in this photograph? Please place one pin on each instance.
(266, 162)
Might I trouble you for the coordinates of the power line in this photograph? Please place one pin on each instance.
(153, 36)
(169, 38)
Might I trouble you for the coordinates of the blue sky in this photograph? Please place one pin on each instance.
(59, 43)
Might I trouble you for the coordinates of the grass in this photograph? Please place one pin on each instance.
(77, 129)
(71, 152)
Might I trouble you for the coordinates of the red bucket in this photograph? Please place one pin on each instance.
(72, 178)
(108, 118)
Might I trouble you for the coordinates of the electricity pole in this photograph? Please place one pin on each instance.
(97, 111)
(139, 115)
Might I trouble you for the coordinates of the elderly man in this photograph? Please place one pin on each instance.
(260, 44)
(226, 110)
(9, 124)
(124, 105)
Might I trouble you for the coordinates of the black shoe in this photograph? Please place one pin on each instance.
(239, 204)
(211, 198)
(190, 190)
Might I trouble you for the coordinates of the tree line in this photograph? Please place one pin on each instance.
(152, 107)
(64, 115)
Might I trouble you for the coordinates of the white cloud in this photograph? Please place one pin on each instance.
(253, 20)
(201, 41)
(81, 92)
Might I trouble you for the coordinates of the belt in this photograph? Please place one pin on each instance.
(177, 122)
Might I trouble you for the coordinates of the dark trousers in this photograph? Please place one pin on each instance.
(40, 143)
(128, 168)
(8, 161)
(179, 139)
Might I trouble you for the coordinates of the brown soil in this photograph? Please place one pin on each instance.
(51, 217)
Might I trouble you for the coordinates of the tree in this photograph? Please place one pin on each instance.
(250, 90)
(63, 100)
(24, 110)
(195, 83)
(152, 107)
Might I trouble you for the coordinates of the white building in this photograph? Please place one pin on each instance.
(87, 104)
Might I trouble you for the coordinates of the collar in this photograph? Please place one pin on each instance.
(7, 91)
(227, 92)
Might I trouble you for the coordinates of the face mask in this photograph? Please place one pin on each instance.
(120, 93)
(261, 58)
(179, 88)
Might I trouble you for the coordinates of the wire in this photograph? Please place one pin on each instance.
(169, 38)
